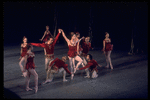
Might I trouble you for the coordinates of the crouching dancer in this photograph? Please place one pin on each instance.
(92, 66)
(58, 66)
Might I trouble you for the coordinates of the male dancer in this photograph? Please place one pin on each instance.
(49, 47)
(92, 66)
(57, 66)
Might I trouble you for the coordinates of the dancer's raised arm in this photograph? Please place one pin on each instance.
(67, 40)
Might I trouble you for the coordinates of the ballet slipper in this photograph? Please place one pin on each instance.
(64, 80)
(36, 89)
(47, 81)
(28, 89)
(72, 75)
(86, 76)
(106, 66)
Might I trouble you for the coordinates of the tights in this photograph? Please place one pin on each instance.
(108, 59)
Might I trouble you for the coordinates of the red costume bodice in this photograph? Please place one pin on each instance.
(108, 46)
(24, 51)
(72, 51)
(30, 61)
(86, 47)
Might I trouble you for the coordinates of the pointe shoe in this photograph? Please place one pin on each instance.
(86, 76)
(28, 89)
(106, 66)
(72, 76)
(47, 81)
(64, 80)
(36, 89)
(111, 67)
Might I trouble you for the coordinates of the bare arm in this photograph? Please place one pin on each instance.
(43, 36)
(67, 40)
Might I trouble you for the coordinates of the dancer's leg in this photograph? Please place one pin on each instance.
(27, 80)
(106, 56)
(64, 74)
(33, 72)
(46, 63)
(48, 69)
(20, 63)
(109, 59)
(71, 63)
(77, 58)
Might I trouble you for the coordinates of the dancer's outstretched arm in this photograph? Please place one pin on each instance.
(67, 40)
(43, 36)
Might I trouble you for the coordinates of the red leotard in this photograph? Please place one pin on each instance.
(46, 36)
(24, 51)
(86, 47)
(108, 46)
(30, 61)
(72, 51)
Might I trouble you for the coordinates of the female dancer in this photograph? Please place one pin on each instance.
(45, 37)
(47, 34)
(23, 53)
(91, 66)
(30, 67)
(107, 48)
(86, 45)
(72, 54)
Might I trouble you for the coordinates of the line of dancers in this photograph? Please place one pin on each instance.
(78, 50)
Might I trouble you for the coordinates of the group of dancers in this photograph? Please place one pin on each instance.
(78, 50)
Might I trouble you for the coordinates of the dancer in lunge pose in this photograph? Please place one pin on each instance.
(49, 47)
(30, 68)
(92, 67)
(107, 48)
(47, 34)
(72, 53)
(23, 53)
(58, 66)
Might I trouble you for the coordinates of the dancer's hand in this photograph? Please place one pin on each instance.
(77, 68)
(40, 39)
(59, 30)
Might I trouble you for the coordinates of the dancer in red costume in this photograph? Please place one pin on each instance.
(23, 53)
(47, 34)
(107, 48)
(73, 51)
(29, 67)
(92, 66)
(49, 47)
(45, 37)
(58, 66)
(86, 45)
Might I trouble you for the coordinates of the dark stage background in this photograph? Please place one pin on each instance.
(119, 19)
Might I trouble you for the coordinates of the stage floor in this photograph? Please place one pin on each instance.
(128, 79)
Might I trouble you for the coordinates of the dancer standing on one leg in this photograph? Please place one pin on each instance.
(49, 47)
(107, 48)
(23, 53)
(57, 66)
(30, 67)
(72, 54)
(45, 37)
(86, 45)
(92, 66)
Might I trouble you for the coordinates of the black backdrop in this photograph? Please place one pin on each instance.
(117, 18)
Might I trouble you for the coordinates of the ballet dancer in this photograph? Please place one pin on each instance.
(107, 48)
(29, 67)
(58, 66)
(47, 34)
(49, 47)
(73, 51)
(86, 45)
(23, 53)
(92, 66)
(45, 37)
